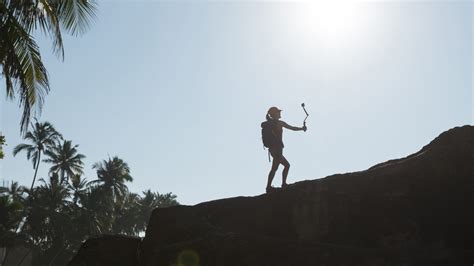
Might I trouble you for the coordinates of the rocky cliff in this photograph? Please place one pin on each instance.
(416, 210)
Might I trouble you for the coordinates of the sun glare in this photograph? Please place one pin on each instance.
(331, 22)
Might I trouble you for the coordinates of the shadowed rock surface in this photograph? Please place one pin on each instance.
(108, 250)
(416, 210)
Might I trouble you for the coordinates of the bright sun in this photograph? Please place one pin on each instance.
(331, 22)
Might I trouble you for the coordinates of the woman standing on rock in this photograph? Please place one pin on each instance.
(272, 136)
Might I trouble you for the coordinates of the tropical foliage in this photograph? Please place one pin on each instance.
(43, 136)
(111, 176)
(20, 59)
(65, 160)
(64, 209)
(54, 217)
(2, 142)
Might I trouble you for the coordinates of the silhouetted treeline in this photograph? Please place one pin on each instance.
(52, 218)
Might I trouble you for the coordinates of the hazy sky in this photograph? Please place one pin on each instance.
(178, 90)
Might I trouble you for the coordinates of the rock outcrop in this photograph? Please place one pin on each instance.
(412, 211)
(108, 250)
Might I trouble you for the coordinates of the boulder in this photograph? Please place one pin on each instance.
(108, 250)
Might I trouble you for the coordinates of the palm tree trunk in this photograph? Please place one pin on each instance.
(24, 257)
(6, 255)
(55, 256)
(36, 171)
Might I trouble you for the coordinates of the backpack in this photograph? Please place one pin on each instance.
(268, 136)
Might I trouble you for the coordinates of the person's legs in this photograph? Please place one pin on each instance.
(271, 175)
(286, 164)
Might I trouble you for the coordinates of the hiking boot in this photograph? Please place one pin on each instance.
(271, 189)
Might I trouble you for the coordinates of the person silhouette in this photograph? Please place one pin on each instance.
(276, 147)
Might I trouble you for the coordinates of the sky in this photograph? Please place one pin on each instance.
(178, 89)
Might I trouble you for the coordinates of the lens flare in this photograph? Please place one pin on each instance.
(188, 258)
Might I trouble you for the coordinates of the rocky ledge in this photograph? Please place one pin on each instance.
(417, 210)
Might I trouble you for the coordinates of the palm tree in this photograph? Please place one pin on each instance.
(20, 58)
(10, 217)
(49, 221)
(43, 136)
(16, 192)
(13, 196)
(78, 187)
(65, 159)
(94, 215)
(127, 215)
(112, 175)
(150, 201)
(2, 142)
(54, 195)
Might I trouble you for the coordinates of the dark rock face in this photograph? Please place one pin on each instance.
(412, 211)
(108, 250)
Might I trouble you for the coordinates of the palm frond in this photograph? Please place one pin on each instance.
(20, 147)
(76, 15)
(30, 136)
(22, 61)
(50, 24)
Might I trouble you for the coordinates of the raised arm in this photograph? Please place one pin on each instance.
(285, 125)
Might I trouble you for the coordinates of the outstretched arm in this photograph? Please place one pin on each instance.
(285, 125)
